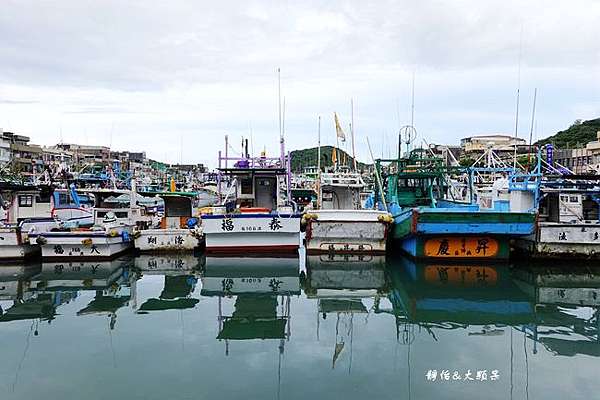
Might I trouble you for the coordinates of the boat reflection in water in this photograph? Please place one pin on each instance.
(357, 318)
(40, 290)
(567, 308)
(262, 288)
(180, 274)
(557, 308)
(18, 302)
(108, 279)
(342, 285)
(453, 295)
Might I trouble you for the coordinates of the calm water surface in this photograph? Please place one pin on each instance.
(185, 327)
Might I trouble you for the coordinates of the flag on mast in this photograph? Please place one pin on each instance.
(338, 128)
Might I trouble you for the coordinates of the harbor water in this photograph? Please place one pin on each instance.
(325, 327)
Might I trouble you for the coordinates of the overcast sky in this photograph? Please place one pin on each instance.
(153, 75)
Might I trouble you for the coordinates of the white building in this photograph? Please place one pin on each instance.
(496, 142)
(4, 149)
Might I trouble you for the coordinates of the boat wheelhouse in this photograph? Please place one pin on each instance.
(177, 230)
(256, 212)
(72, 208)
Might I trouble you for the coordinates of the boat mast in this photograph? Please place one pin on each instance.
(319, 164)
(337, 141)
(282, 149)
(412, 106)
(532, 123)
(518, 95)
(352, 133)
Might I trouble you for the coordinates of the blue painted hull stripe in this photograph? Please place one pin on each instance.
(475, 229)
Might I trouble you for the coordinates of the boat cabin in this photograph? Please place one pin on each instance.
(341, 190)
(570, 199)
(256, 189)
(22, 202)
(177, 208)
(117, 201)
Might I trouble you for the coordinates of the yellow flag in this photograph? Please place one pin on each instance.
(338, 128)
(333, 156)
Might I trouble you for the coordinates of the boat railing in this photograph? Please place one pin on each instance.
(251, 162)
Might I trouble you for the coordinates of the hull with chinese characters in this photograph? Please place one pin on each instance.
(251, 233)
(85, 244)
(347, 231)
(455, 233)
(457, 247)
(562, 240)
(166, 240)
(14, 245)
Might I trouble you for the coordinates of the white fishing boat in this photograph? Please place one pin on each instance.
(116, 213)
(100, 242)
(256, 212)
(568, 222)
(176, 231)
(340, 225)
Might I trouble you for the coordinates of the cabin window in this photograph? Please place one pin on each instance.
(63, 198)
(26, 200)
(246, 186)
(573, 199)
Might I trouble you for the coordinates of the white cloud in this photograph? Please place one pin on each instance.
(156, 72)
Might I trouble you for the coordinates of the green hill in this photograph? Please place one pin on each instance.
(577, 135)
(308, 158)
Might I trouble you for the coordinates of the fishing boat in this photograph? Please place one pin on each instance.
(568, 225)
(339, 225)
(104, 241)
(177, 230)
(430, 223)
(23, 208)
(110, 236)
(256, 213)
